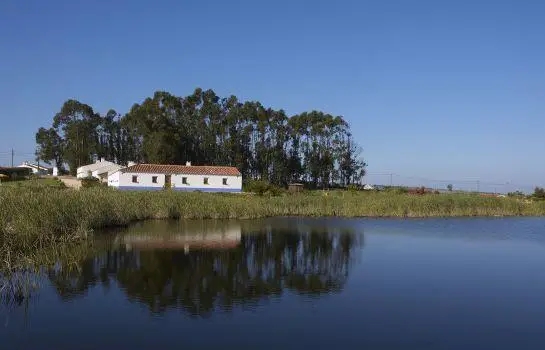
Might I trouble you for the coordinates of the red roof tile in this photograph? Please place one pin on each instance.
(182, 169)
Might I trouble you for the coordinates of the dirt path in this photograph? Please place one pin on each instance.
(71, 182)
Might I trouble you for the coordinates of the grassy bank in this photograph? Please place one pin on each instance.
(33, 218)
(35, 182)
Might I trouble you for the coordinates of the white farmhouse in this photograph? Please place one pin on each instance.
(99, 169)
(177, 177)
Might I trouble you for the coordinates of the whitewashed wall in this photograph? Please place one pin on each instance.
(215, 183)
(83, 174)
(113, 179)
(194, 182)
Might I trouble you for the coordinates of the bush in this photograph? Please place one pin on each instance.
(353, 188)
(421, 190)
(89, 182)
(539, 193)
(515, 194)
(59, 183)
(397, 190)
(261, 188)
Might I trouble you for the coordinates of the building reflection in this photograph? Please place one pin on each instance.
(186, 235)
(202, 267)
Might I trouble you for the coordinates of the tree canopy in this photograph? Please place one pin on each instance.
(263, 143)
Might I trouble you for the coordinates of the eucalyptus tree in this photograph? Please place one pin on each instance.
(50, 146)
(263, 143)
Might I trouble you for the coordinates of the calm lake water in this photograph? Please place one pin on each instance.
(291, 283)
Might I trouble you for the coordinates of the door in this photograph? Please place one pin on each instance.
(167, 181)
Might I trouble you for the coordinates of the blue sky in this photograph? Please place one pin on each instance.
(447, 90)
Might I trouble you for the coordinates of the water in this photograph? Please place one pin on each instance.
(288, 283)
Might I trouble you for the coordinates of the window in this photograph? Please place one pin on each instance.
(205, 181)
(134, 179)
(184, 180)
(154, 179)
(225, 181)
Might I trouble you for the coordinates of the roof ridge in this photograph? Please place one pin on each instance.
(183, 165)
(184, 169)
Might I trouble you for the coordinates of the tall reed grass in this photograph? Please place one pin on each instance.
(33, 218)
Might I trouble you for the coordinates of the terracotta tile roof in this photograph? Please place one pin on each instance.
(182, 169)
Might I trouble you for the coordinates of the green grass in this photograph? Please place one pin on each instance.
(34, 183)
(37, 217)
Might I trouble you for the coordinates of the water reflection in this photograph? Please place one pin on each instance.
(210, 234)
(203, 266)
(412, 290)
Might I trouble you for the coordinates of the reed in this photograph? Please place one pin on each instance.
(34, 218)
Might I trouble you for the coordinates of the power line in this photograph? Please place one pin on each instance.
(465, 183)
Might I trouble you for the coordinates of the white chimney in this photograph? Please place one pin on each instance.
(130, 163)
(187, 163)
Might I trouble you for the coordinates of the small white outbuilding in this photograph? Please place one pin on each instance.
(177, 177)
(99, 169)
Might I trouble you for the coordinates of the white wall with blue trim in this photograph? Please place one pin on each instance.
(149, 181)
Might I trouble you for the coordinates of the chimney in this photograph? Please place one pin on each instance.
(187, 163)
(130, 163)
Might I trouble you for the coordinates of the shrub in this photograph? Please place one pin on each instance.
(539, 193)
(89, 182)
(353, 188)
(516, 194)
(398, 190)
(261, 188)
(421, 190)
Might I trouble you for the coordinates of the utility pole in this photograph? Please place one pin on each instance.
(391, 179)
(12, 152)
(478, 186)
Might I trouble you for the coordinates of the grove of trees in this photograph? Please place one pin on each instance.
(263, 143)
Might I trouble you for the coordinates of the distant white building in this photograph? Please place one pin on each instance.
(35, 168)
(100, 170)
(178, 177)
(368, 187)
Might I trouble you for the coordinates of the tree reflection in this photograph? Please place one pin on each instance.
(266, 261)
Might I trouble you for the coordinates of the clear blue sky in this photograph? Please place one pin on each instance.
(432, 89)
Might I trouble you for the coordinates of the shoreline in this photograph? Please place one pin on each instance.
(36, 217)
